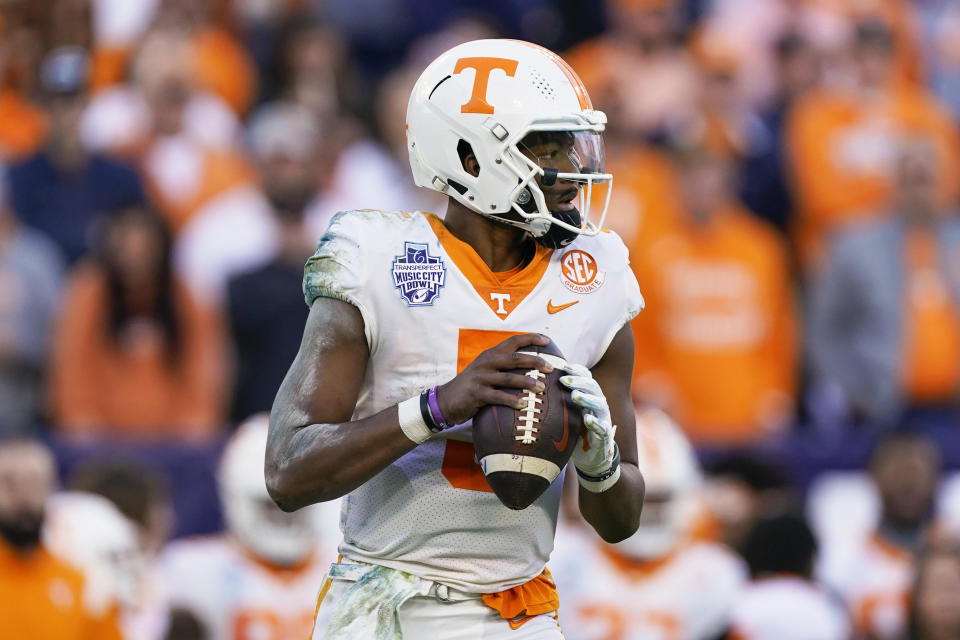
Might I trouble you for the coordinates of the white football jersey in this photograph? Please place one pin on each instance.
(874, 578)
(430, 305)
(687, 595)
(236, 596)
(788, 608)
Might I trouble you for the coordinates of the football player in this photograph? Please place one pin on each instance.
(782, 600)
(658, 584)
(89, 532)
(259, 580)
(416, 323)
(874, 571)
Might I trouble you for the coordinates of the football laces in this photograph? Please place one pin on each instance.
(530, 415)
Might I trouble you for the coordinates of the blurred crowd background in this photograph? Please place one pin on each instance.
(787, 178)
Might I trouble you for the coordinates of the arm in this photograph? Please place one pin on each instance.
(315, 452)
(615, 513)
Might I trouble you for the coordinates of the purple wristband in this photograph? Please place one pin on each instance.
(435, 409)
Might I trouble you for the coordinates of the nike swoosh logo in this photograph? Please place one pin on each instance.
(561, 444)
(560, 307)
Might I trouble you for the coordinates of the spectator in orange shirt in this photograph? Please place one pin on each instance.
(646, 195)
(885, 314)
(134, 353)
(901, 18)
(715, 347)
(638, 71)
(184, 140)
(842, 142)
(221, 65)
(22, 124)
(41, 598)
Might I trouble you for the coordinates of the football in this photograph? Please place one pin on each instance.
(522, 451)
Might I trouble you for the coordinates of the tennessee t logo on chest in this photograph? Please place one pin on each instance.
(497, 302)
(502, 300)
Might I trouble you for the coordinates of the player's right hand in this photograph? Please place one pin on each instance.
(488, 379)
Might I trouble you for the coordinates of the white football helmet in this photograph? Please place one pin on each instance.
(672, 475)
(252, 518)
(491, 94)
(89, 532)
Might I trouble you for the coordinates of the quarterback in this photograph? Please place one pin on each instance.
(416, 322)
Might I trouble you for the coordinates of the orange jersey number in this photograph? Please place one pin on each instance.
(264, 624)
(619, 620)
(460, 466)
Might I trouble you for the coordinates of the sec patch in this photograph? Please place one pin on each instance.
(579, 272)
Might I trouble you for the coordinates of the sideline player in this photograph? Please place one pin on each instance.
(658, 584)
(90, 533)
(416, 322)
(782, 600)
(259, 581)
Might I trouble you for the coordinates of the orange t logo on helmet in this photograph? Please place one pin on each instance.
(483, 66)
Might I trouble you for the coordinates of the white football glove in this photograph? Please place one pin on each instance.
(597, 453)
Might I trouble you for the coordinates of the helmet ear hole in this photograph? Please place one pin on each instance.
(468, 159)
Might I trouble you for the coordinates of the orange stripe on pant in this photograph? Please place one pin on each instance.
(323, 594)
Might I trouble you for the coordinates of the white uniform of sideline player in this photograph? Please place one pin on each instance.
(402, 303)
(258, 581)
(89, 532)
(782, 601)
(658, 584)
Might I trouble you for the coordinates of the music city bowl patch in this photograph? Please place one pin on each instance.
(417, 275)
(579, 272)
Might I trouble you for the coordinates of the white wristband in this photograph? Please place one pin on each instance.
(411, 420)
(599, 486)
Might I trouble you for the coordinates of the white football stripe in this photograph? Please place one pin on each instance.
(523, 464)
(557, 362)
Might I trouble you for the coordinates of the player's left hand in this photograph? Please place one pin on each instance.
(598, 457)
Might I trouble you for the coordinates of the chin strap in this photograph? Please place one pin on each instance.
(552, 236)
(556, 236)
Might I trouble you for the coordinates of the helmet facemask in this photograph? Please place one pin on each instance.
(567, 164)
